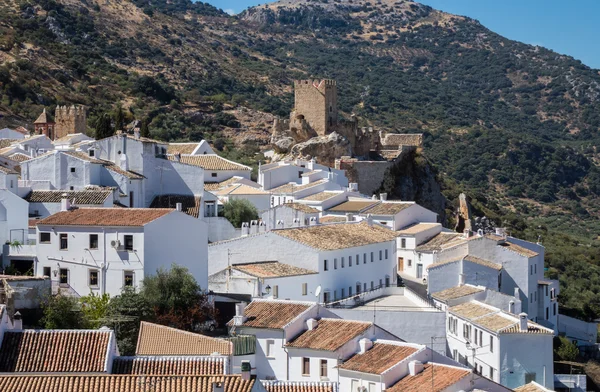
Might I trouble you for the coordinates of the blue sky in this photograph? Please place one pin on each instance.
(568, 27)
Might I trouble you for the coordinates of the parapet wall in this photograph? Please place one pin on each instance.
(402, 139)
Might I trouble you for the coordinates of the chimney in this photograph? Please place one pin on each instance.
(461, 279)
(522, 322)
(353, 187)
(177, 157)
(467, 233)
(370, 220)
(253, 227)
(383, 196)
(511, 307)
(415, 367)
(246, 370)
(313, 221)
(178, 207)
(517, 293)
(364, 345)
(136, 133)
(218, 386)
(500, 231)
(123, 164)
(65, 203)
(279, 224)
(311, 324)
(245, 229)
(296, 222)
(17, 321)
(262, 227)
(311, 164)
(480, 233)
(349, 217)
(374, 197)
(240, 315)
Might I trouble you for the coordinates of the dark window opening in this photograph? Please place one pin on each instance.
(64, 276)
(93, 241)
(44, 238)
(64, 242)
(128, 242)
(128, 278)
(93, 278)
(47, 271)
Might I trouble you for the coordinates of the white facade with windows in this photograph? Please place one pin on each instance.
(300, 172)
(84, 258)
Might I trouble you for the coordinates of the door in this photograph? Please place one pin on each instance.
(400, 264)
(419, 271)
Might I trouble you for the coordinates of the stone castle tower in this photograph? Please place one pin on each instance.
(69, 120)
(316, 103)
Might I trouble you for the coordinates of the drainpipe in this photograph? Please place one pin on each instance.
(104, 267)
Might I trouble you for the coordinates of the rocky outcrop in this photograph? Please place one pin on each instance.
(325, 149)
(282, 145)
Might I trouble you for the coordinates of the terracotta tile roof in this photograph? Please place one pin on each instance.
(321, 196)
(190, 203)
(84, 157)
(300, 207)
(80, 197)
(300, 386)
(518, 249)
(271, 269)
(22, 130)
(332, 219)
(495, 237)
(182, 148)
(433, 378)
(388, 208)
(67, 139)
(330, 334)
(494, 319)
(32, 222)
(532, 387)
(308, 173)
(341, 236)
(442, 263)
(7, 170)
(241, 189)
(210, 162)
(132, 217)
(122, 383)
(43, 118)
(155, 339)
(273, 314)
(379, 358)
(485, 263)
(54, 351)
(456, 292)
(170, 365)
(7, 142)
(418, 228)
(127, 173)
(441, 241)
(215, 186)
(354, 206)
(292, 188)
(19, 157)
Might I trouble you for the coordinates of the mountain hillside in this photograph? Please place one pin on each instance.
(513, 125)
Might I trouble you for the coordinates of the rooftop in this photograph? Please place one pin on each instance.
(7, 170)
(182, 148)
(300, 207)
(241, 189)
(126, 173)
(122, 383)
(273, 314)
(340, 236)
(7, 142)
(68, 138)
(353, 206)
(379, 358)
(190, 204)
(19, 157)
(389, 208)
(418, 228)
(271, 269)
(494, 319)
(332, 219)
(441, 241)
(485, 263)
(293, 187)
(43, 118)
(532, 387)
(215, 186)
(97, 197)
(155, 339)
(51, 351)
(170, 365)
(433, 378)
(299, 386)
(321, 196)
(518, 249)
(456, 292)
(209, 162)
(330, 334)
(130, 217)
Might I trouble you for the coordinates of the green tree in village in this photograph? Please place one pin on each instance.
(124, 314)
(62, 312)
(103, 126)
(119, 117)
(144, 129)
(238, 211)
(94, 308)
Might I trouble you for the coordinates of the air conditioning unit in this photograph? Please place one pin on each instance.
(116, 244)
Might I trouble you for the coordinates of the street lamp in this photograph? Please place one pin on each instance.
(267, 290)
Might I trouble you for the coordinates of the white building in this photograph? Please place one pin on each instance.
(349, 258)
(44, 203)
(192, 148)
(216, 168)
(399, 214)
(34, 145)
(508, 349)
(300, 172)
(14, 134)
(9, 179)
(103, 250)
(71, 141)
(290, 215)
(257, 197)
(13, 219)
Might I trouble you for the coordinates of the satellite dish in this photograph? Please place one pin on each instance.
(318, 291)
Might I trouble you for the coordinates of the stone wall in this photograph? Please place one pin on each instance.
(69, 120)
(316, 102)
(402, 139)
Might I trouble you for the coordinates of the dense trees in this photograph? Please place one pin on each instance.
(238, 211)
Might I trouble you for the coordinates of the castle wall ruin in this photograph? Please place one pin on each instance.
(316, 103)
(69, 120)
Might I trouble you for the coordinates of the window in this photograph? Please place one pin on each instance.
(72, 170)
(63, 276)
(535, 268)
(335, 297)
(304, 288)
(128, 242)
(349, 261)
(409, 262)
(386, 254)
(71, 188)
(380, 282)
(491, 373)
(403, 243)
(326, 297)
(323, 368)
(350, 291)
(481, 338)
(364, 258)
(467, 331)
(334, 263)
(372, 285)
(93, 241)
(343, 293)
(325, 266)
(275, 291)
(476, 335)
(131, 199)
(491, 344)
(306, 366)
(270, 346)
(64, 241)
(380, 255)
(365, 286)
(358, 286)
(44, 238)
(531, 297)
(531, 270)
(299, 174)
(547, 312)
(128, 278)
(213, 174)
(93, 281)
(372, 258)
(47, 271)
(91, 153)
(354, 385)
(357, 259)
(342, 262)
